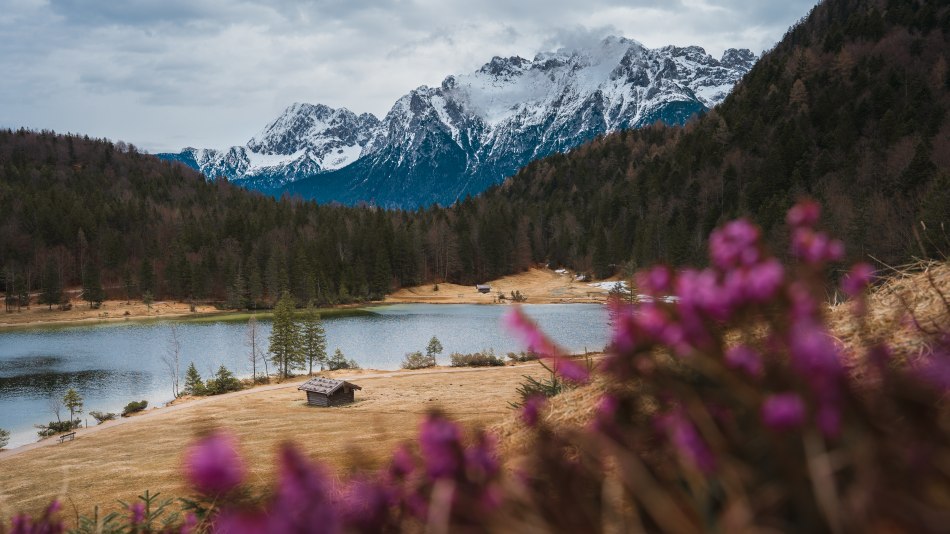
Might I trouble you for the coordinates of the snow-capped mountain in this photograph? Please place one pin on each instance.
(438, 144)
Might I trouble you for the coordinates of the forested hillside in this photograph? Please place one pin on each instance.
(850, 108)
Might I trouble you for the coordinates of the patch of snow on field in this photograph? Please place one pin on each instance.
(610, 285)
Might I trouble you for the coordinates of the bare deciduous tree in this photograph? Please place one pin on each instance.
(172, 358)
(253, 342)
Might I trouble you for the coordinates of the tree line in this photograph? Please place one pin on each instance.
(850, 108)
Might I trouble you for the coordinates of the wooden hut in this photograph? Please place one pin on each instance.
(328, 392)
(483, 288)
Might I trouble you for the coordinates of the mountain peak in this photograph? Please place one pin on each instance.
(437, 144)
(738, 58)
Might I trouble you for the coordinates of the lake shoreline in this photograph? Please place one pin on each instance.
(187, 402)
(539, 286)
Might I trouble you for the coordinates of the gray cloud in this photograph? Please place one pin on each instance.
(168, 73)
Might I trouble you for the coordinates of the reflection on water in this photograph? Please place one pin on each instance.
(47, 384)
(113, 364)
(28, 363)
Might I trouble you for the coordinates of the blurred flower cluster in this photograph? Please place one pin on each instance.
(729, 408)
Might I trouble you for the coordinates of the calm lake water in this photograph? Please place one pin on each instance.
(113, 364)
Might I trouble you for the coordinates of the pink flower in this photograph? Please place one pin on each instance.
(689, 444)
(303, 497)
(403, 463)
(531, 409)
(814, 355)
(764, 280)
(784, 411)
(805, 213)
(736, 243)
(828, 420)
(858, 279)
(815, 247)
(441, 442)
(537, 342)
(481, 458)
(213, 465)
(655, 281)
(745, 359)
(137, 510)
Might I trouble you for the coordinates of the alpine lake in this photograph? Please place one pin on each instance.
(111, 364)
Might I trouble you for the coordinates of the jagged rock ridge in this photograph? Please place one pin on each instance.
(438, 144)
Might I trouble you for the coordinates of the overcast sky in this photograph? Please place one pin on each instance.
(165, 74)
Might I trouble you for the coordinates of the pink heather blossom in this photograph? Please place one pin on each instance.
(403, 463)
(213, 465)
(441, 442)
(934, 370)
(190, 523)
(805, 213)
(137, 512)
(658, 326)
(365, 504)
(785, 411)
(734, 244)
(531, 409)
(46, 524)
(700, 291)
(804, 305)
(605, 415)
(828, 420)
(481, 458)
(764, 280)
(745, 359)
(687, 441)
(537, 342)
(303, 497)
(858, 279)
(624, 332)
(655, 281)
(814, 355)
(816, 247)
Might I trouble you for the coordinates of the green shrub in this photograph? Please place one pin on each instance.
(224, 381)
(134, 407)
(58, 427)
(193, 383)
(102, 417)
(417, 360)
(521, 357)
(485, 358)
(338, 361)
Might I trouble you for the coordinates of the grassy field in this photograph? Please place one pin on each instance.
(144, 453)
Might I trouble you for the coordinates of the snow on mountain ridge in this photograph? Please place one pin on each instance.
(476, 128)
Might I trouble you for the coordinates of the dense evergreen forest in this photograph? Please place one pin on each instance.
(849, 108)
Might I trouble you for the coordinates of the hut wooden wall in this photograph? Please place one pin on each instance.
(338, 398)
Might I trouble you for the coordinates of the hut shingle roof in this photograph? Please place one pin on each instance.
(325, 385)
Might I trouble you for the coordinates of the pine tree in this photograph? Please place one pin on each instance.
(433, 349)
(223, 382)
(313, 339)
(146, 277)
(285, 337)
(92, 287)
(193, 383)
(52, 285)
(72, 400)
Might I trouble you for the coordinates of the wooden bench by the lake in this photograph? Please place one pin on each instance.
(70, 436)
